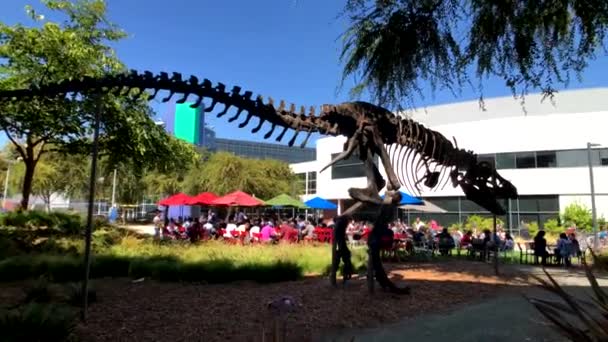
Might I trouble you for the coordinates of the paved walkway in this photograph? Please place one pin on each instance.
(508, 318)
(140, 229)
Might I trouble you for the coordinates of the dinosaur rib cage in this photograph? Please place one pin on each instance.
(137, 85)
(419, 151)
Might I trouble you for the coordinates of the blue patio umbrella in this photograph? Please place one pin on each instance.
(320, 203)
(408, 199)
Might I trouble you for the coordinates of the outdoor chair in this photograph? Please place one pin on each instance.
(423, 248)
(524, 253)
(323, 235)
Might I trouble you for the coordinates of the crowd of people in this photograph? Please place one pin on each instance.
(566, 248)
(267, 229)
(273, 229)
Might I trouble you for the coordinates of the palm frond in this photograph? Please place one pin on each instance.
(577, 319)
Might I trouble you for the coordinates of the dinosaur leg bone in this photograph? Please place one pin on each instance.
(393, 181)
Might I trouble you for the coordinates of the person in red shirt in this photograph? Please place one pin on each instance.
(289, 233)
(466, 240)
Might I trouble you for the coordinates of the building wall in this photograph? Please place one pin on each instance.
(187, 123)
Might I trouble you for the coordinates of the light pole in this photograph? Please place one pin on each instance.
(114, 189)
(593, 212)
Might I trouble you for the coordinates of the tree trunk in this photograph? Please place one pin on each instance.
(28, 178)
(47, 202)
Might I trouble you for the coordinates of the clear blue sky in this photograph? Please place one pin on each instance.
(285, 49)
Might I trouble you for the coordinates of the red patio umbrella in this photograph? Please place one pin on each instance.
(238, 198)
(204, 198)
(177, 199)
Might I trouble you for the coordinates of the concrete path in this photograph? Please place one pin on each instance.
(140, 229)
(508, 318)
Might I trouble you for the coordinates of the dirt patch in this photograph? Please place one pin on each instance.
(152, 311)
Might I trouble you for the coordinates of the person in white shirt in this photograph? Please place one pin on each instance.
(229, 228)
(255, 229)
(158, 222)
(242, 227)
(418, 224)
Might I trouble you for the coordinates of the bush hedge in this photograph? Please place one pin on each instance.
(69, 269)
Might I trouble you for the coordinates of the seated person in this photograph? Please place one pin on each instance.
(467, 239)
(289, 233)
(268, 233)
(230, 227)
(308, 231)
(509, 243)
(446, 242)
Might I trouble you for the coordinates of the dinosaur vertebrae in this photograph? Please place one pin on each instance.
(137, 84)
(410, 143)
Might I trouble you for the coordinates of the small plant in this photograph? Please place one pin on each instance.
(36, 322)
(75, 294)
(576, 319)
(39, 292)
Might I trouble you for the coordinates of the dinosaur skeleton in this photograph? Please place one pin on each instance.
(410, 153)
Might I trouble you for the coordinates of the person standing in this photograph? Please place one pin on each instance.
(158, 222)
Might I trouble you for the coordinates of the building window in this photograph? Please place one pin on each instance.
(525, 160)
(347, 168)
(311, 187)
(505, 160)
(488, 158)
(603, 157)
(571, 158)
(301, 183)
(546, 159)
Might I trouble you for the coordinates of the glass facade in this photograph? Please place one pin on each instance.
(537, 209)
(349, 168)
(262, 150)
(544, 159)
(189, 124)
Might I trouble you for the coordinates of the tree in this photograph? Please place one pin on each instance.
(577, 214)
(224, 172)
(76, 48)
(392, 45)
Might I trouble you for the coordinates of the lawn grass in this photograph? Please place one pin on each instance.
(211, 262)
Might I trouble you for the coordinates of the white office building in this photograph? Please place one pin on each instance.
(540, 146)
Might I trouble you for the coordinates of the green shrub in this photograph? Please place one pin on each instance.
(36, 322)
(65, 223)
(533, 228)
(39, 292)
(481, 223)
(600, 262)
(17, 268)
(552, 226)
(577, 214)
(14, 219)
(70, 224)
